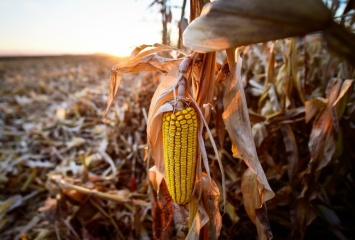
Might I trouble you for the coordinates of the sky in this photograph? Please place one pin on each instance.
(45, 27)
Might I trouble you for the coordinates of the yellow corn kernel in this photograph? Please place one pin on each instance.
(179, 131)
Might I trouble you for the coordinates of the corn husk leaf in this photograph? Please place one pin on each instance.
(203, 75)
(161, 95)
(143, 58)
(210, 199)
(160, 104)
(163, 100)
(207, 216)
(162, 209)
(166, 92)
(232, 23)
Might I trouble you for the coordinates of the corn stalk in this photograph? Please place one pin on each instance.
(223, 25)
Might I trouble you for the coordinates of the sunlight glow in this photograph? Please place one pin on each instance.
(121, 40)
(37, 27)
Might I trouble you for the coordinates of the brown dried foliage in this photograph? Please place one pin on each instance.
(66, 174)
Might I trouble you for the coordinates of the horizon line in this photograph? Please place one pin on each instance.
(4, 54)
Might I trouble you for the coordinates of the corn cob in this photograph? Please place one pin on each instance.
(180, 150)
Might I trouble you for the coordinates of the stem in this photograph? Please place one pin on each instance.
(164, 22)
(181, 93)
(183, 69)
(181, 18)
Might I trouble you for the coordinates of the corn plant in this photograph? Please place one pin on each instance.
(186, 194)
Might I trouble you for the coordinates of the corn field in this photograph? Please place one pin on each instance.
(246, 132)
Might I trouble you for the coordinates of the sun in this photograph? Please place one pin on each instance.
(118, 50)
(123, 39)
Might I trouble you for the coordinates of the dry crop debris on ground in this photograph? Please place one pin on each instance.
(66, 174)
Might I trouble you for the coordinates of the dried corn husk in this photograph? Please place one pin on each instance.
(143, 58)
(160, 104)
(162, 101)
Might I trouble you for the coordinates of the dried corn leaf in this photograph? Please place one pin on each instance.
(291, 150)
(296, 66)
(259, 132)
(200, 219)
(203, 80)
(284, 84)
(236, 119)
(210, 198)
(341, 102)
(143, 58)
(147, 50)
(207, 218)
(224, 24)
(313, 106)
(304, 215)
(322, 142)
(255, 187)
(253, 201)
(162, 213)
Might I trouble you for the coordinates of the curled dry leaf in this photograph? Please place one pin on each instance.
(203, 80)
(282, 83)
(253, 201)
(291, 150)
(205, 220)
(143, 58)
(322, 142)
(297, 60)
(304, 215)
(225, 24)
(313, 106)
(210, 198)
(236, 118)
(208, 217)
(259, 132)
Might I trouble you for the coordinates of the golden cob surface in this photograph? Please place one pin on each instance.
(180, 150)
